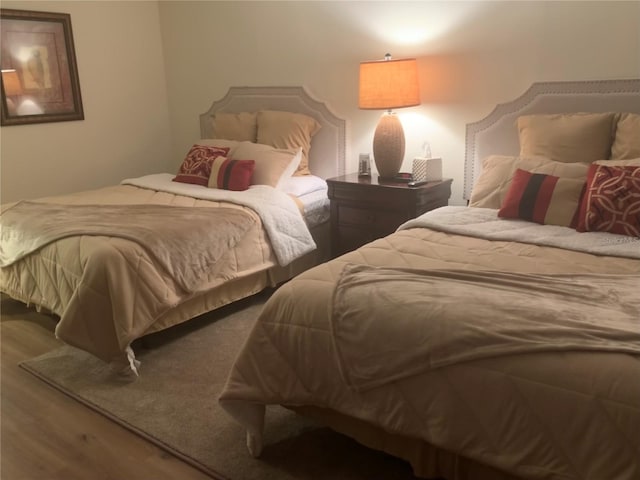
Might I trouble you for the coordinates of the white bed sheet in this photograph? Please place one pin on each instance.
(316, 207)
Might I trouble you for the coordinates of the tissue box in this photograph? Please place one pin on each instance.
(427, 169)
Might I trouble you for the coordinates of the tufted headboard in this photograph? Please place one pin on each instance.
(497, 132)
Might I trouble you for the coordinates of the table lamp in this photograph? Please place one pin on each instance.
(12, 88)
(384, 85)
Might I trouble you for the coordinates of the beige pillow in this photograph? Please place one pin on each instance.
(493, 183)
(626, 143)
(220, 143)
(288, 130)
(631, 162)
(272, 165)
(572, 137)
(235, 126)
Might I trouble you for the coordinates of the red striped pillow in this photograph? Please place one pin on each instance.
(231, 174)
(196, 167)
(543, 199)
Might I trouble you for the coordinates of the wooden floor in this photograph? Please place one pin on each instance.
(46, 435)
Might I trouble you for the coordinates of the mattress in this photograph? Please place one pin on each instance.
(315, 207)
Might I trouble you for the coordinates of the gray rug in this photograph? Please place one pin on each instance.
(174, 404)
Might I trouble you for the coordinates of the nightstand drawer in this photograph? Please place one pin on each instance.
(373, 219)
(351, 238)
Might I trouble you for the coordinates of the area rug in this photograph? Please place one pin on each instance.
(174, 404)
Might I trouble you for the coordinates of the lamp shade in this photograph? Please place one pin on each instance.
(388, 84)
(11, 83)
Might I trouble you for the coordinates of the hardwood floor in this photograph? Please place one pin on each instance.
(45, 435)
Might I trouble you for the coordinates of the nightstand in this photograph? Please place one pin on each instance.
(364, 209)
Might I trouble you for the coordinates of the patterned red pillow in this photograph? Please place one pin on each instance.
(611, 202)
(231, 174)
(196, 167)
(541, 198)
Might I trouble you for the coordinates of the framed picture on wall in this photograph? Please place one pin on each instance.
(39, 71)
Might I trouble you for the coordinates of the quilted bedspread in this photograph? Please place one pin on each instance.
(185, 242)
(563, 413)
(109, 290)
(393, 323)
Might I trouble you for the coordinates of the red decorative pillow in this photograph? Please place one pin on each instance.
(196, 167)
(611, 201)
(231, 174)
(544, 199)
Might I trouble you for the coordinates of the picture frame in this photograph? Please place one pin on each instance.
(364, 165)
(39, 71)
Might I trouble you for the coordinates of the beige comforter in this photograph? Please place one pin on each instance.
(562, 414)
(394, 323)
(109, 290)
(186, 243)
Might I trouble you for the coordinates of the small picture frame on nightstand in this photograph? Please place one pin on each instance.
(364, 165)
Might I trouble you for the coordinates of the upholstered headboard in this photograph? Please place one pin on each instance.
(497, 132)
(327, 154)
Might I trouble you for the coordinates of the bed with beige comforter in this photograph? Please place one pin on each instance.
(508, 345)
(120, 262)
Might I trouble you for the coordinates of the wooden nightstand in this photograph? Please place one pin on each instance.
(364, 209)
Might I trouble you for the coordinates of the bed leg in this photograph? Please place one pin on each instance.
(254, 444)
(251, 415)
(126, 366)
(134, 363)
(255, 413)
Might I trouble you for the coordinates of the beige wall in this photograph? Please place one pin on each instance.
(126, 128)
(472, 55)
(141, 117)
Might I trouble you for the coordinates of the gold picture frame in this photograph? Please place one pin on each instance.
(39, 71)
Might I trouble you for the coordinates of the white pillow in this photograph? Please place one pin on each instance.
(298, 186)
(272, 165)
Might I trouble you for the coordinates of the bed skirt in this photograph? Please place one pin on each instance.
(426, 460)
